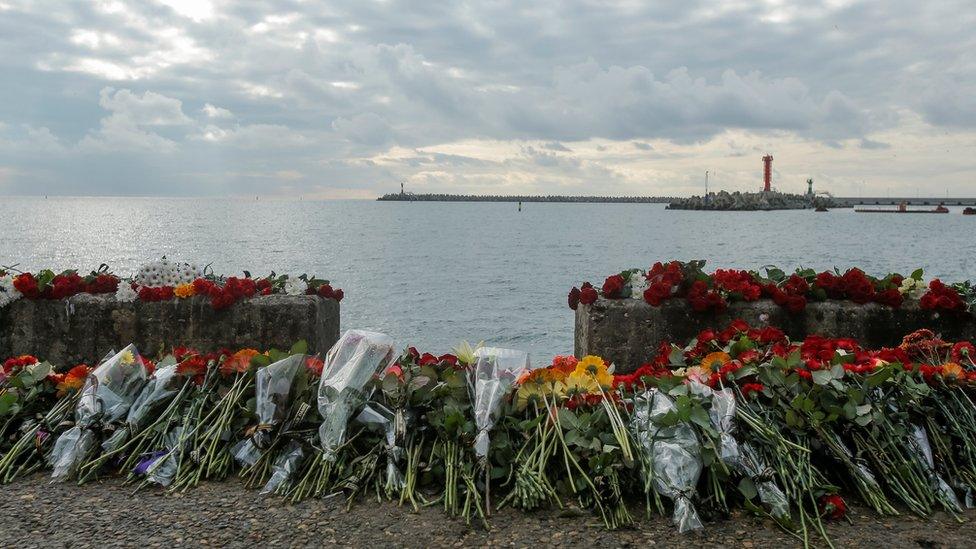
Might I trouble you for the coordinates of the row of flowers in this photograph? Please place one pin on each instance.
(714, 291)
(740, 417)
(159, 281)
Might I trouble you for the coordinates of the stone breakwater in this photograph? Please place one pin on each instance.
(628, 332)
(81, 329)
(737, 201)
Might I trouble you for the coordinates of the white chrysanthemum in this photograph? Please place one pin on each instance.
(125, 293)
(638, 283)
(912, 288)
(295, 286)
(8, 293)
(166, 272)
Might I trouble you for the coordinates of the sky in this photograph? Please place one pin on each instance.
(347, 99)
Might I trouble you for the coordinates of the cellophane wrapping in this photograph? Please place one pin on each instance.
(379, 417)
(163, 385)
(938, 484)
(742, 458)
(272, 392)
(106, 397)
(491, 378)
(349, 365)
(674, 453)
(285, 465)
(161, 467)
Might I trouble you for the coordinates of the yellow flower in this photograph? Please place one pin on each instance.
(184, 291)
(596, 368)
(529, 393)
(951, 369)
(127, 357)
(582, 383)
(714, 361)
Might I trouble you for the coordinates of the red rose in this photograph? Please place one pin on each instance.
(612, 286)
(574, 298)
(588, 295)
(796, 303)
(325, 291)
(338, 294)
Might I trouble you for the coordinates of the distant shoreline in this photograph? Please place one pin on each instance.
(410, 197)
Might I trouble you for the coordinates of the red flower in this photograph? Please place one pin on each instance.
(942, 297)
(27, 285)
(588, 295)
(612, 286)
(448, 359)
(314, 365)
(752, 389)
(326, 291)
(574, 298)
(832, 506)
(963, 351)
(338, 294)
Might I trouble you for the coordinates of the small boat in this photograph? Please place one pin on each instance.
(821, 209)
(903, 208)
(969, 211)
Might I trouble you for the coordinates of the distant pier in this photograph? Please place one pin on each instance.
(894, 201)
(411, 197)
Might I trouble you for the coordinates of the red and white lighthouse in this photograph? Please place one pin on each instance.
(767, 172)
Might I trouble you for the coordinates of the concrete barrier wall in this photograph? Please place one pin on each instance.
(85, 327)
(628, 331)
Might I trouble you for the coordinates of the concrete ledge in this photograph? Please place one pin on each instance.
(628, 331)
(85, 327)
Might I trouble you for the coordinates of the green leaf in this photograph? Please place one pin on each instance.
(917, 274)
(299, 348)
(821, 377)
(7, 401)
(568, 419)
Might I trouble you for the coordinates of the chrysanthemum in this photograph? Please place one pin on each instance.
(184, 291)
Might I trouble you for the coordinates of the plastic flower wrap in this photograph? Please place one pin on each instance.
(106, 397)
(285, 465)
(379, 417)
(162, 386)
(349, 365)
(160, 467)
(491, 377)
(938, 484)
(272, 393)
(673, 453)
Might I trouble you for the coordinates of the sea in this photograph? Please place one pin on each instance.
(434, 274)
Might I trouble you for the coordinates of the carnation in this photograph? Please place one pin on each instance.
(638, 283)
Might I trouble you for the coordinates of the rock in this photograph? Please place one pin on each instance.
(85, 327)
(628, 332)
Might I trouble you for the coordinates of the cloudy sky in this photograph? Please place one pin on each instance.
(346, 99)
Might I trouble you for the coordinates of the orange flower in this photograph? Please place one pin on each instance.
(238, 362)
(952, 369)
(714, 361)
(564, 363)
(184, 291)
(73, 380)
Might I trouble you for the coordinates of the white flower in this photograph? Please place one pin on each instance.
(8, 293)
(295, 286)
(638, 283)
(125, 293)
(912, 288)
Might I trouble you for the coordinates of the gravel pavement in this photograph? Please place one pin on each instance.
(34, 513)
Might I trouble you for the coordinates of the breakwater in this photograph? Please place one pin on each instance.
(761, 201)
(432, 197)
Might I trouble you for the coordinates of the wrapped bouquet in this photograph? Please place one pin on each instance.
(105, 399)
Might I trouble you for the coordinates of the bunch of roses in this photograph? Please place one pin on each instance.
(738, 282)
(941, 298)
(702, 298)
(663, 281)
(791, 294)
(64, 285)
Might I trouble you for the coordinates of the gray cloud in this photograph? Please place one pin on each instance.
(282, 95)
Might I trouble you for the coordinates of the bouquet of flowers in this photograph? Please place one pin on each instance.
(349, 366)
(34, 416)
(105, 400)
(273, 388)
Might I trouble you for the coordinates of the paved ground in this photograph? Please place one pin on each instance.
(34, 513)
